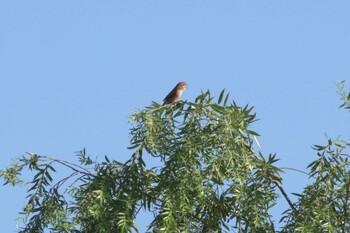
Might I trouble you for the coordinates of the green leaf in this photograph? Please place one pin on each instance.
(319, 148)
(252, 132)
(217, 108)
(225, 101)
(200, 98)
(47, 174)
(221, 95)
(133, 146)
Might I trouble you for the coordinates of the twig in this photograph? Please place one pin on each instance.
(71, 185)
(62, 181)
(68, 164)
(286, 196)
(346, 206)
(281, 189)
(297, 170)
(272, 226)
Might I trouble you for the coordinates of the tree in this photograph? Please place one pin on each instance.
(345, 97)
(209, 179)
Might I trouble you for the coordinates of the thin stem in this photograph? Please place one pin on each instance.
(272, 226)
(71, 185)
(286, 196)
(67, 164)
(62, 181)
(294, 169)
(346, 207)
(281, 189)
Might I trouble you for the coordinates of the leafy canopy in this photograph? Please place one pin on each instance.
(208, 178)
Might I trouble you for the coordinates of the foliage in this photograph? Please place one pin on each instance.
(345, 97)
(323, 206)
(208, 179)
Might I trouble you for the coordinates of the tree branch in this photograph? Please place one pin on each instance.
(346, 206)
(286, 197)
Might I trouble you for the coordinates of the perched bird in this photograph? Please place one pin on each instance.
(175, 94)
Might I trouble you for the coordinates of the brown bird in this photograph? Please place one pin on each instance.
(175, 94)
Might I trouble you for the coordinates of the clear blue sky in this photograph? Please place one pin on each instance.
(72, 72)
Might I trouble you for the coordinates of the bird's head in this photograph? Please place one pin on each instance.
(181, 86)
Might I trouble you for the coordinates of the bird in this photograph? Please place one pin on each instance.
(175, 94)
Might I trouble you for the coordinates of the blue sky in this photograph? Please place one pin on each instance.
(72, 72)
